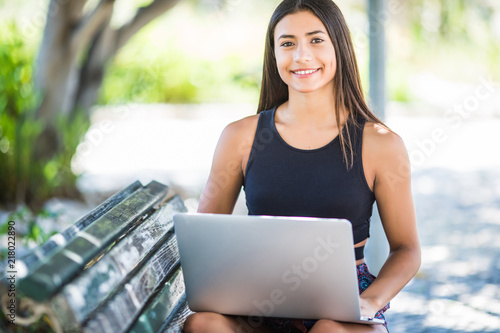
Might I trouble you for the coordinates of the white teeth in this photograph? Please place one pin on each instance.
(306, 72)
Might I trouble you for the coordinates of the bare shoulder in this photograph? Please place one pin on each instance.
(381, 141)
(238, 135)
(384, 152)
(243, 127)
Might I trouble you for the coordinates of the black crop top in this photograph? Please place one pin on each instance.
(285, 181)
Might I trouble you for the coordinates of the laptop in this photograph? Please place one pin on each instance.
(269, 266)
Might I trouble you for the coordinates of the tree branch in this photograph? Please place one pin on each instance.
(90, 24)
(143, 16)
(74, 9)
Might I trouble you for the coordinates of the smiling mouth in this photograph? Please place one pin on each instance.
(305, 72)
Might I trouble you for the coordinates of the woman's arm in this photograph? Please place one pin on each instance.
(391, 176)
(226, 175)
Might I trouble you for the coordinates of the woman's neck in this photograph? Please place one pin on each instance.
(311, 108)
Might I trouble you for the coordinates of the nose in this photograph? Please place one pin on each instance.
(302, 53)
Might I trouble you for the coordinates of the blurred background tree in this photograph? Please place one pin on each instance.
(78, 42)
(41, 134)
(453, 41)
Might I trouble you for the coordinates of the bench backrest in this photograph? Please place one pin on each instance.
(115, 270)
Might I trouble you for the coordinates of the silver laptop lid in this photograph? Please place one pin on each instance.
(292, 267)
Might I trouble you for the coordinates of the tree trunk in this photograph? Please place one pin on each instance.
(92, 73)
(65, 84)
(56, 73)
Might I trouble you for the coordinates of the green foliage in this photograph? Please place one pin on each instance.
(141, 73)
(177, 78)
(29, 234)
(148, 80)
(452, 20)
(18, 128)
(54, 177)
(22, 179)
(456, 41)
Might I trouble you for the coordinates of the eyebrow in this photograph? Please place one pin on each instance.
(307, 34)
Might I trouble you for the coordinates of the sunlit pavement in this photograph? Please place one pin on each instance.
(456, 184)
(458, 286)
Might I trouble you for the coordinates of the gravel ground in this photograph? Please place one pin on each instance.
(458, 286)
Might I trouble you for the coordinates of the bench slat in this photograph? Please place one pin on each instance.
(35, 258)
(93, 286)
(175, 322)
(163, 307)
(121, 311)
(44, 281)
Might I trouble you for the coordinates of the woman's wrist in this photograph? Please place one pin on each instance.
(373, 302)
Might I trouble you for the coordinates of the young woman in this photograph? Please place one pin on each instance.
(316, 149)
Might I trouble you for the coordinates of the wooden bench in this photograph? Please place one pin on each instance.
(115, 270)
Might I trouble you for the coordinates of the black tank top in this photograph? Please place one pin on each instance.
(285, 181)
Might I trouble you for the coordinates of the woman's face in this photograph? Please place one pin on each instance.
(304, 53)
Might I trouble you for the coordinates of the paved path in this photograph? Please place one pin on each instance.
(458, 286)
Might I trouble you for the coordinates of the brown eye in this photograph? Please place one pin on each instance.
(317, 40)
(286, 44)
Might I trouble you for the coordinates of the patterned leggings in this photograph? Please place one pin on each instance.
(365, 278)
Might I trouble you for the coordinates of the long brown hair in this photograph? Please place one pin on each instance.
(348, 90)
